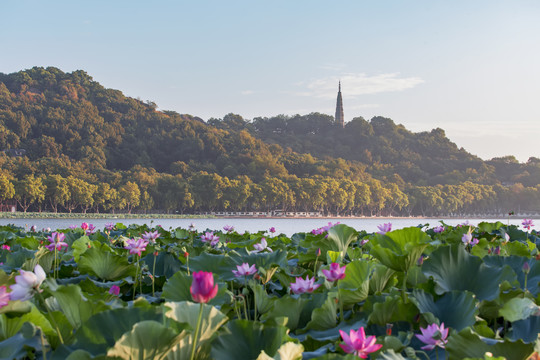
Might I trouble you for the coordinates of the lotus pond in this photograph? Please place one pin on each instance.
(443, 292)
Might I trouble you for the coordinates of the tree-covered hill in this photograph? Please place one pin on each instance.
(108, 151)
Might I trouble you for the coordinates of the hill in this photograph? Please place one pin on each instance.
(70, 126)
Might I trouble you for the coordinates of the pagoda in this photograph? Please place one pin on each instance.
(340, 119)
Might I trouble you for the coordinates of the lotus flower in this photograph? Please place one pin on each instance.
(6, 247)
(56, 239)
(467, 239)
(211, 238)
(335, 273)
(323, 229)
(26, 283)
(109, 226)
(263, 245)
(151, 236)
(228, 228)
(384, 228)
(114, 290)
(527, 223)
(4, 297)
(84, 226)
(272, 230)
(136, 246)
(202, 288)
(91, 229)
(438, 229)
(244, 270)
(357, 343)
(434, 335)
(301, 286)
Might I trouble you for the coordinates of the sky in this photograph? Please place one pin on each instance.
(471, 68)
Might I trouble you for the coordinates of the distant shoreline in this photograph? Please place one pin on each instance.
(50, 215)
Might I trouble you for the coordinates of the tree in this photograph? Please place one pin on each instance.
(29, 190)
(130, 194)
(58, 192)
(7, 189)
(81, 194)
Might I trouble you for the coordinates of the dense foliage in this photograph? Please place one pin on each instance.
(130, 292)
(72, 145)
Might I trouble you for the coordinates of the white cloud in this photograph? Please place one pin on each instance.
(247, 92)
(353, 85)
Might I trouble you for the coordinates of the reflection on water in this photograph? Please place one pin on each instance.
(287, 226)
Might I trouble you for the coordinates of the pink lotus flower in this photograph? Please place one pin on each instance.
(4, 297)
(33, 228)
(357, 343)
(263, 245)
(335, 273)
(438, 229)
(136, 246)
(527, 223)
(434, 335)
(84, 226)
(56, 240)
(202, 287)
(228, 228)
(324, 229)
(244, 270)
(26, 283)
(91, 229)
(272, 230)
(384, 228)
(6, 247)
(211, 238)
(109, 226)
(72, 227)
(114, 290)
(151, 236)
(467, 239)
(301, 286)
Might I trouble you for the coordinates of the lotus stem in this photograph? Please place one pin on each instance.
(196, 335)
(153, 276)
(404, 288)
(43, 349)
(50, 316)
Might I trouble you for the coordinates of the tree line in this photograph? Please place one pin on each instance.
(207, 192)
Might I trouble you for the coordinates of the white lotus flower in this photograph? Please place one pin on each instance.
(26, 283)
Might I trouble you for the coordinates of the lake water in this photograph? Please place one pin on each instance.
(287, 226)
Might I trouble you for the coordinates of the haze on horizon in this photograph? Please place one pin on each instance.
(470, 68)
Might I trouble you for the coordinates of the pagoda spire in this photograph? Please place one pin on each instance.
(340, 118)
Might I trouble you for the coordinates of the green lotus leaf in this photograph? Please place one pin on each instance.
(73, 304)
(456, 309)
(516, 263)
(264, 260)
(264, 301)
(340, 237)
(382, 278)
(297, 311)
(527, 330)
(467, 344)
(166, 264)
(489, 227)
(148, 340)
(220, 265)
(188, 312)
(519, 309)
(287, 351)
(400, 249)
(354, 288)
(105, 265)
(324, 316)
(517, 248)
(177, 289)
(453, 268)
(20, 345)
(80, 246)
(392, 310)
(92, 337)
(245, 340)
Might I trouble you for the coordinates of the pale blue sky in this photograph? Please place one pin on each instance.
(469, 67)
